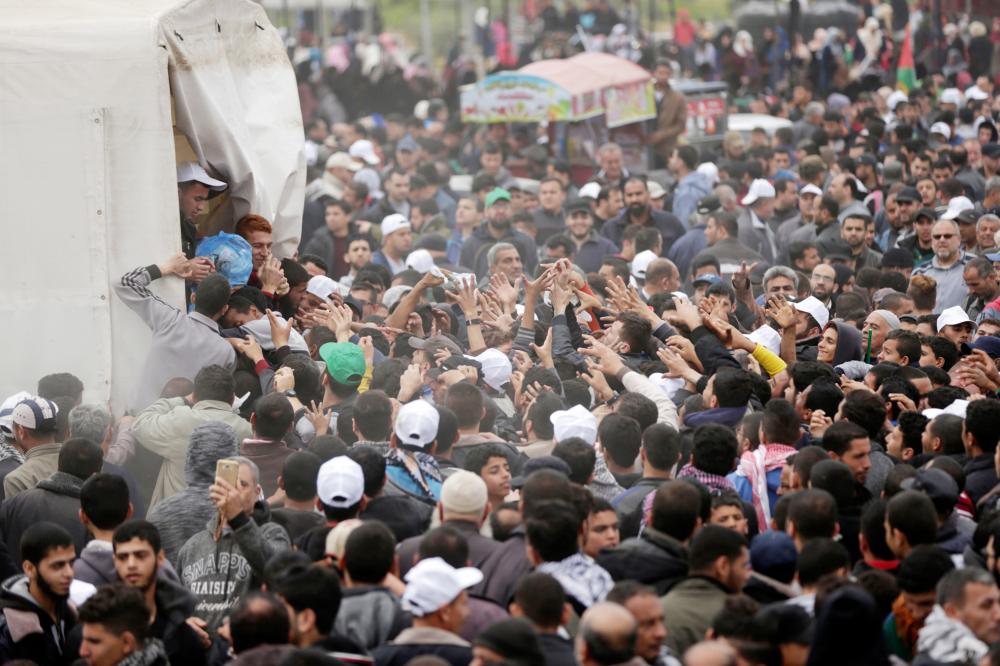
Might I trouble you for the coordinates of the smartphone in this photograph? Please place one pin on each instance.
(229, 471)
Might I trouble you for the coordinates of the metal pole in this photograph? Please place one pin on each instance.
(425, 29)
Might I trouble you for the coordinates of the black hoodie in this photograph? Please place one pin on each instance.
(28, 632)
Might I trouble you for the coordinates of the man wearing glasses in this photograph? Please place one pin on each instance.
(947, 266)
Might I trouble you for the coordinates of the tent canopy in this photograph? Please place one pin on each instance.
(566, 89)
(93, 93)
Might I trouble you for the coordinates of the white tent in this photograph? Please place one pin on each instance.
(88, 153)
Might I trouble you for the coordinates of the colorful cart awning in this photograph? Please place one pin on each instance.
(569, 89)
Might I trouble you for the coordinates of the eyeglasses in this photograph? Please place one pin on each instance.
(942, 236)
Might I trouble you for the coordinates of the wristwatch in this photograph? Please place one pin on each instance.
(473, 322)
(290, 393)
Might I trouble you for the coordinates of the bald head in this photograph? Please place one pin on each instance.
(607, 635)
(710, 653)
(662, 275)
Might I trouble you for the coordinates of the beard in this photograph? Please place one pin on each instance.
(47, 590)
(502, 223)
(636, 209)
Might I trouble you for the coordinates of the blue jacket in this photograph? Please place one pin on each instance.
(689, 191)
(745, 492)
(687, 248)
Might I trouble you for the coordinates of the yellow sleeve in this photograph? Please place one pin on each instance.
(768, 360)
(366, 380)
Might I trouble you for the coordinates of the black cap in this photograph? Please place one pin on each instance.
(991, 150)
(908, 194)
(970, 216)
(709, 204)
(927, 211)
(577, 204)
(515, 640)
(936, 484)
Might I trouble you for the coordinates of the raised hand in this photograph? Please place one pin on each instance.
(781, 311)
(608, 360)
(250, 348)
(271, 275)
(280, 329)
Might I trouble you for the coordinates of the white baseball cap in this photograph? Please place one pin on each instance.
(976, 93)
(497, 368)
(942, 129)
(710, 170)
(393, 223)
(952, 316)
(322, 286)
(656, 190)
(809, 188)
(641, 262)
(895, 98)
(393, 295)
(814, 307)
(574, 422)
(432, 584)
(766, 337)
(364, 150)
(951, 96)
(342, 160)
(420, 260)
(759, 189)
(340, 483)
(957, 206)
(591, 190)
(192, 171)
(417, 423)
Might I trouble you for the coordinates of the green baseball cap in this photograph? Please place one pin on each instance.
(497, 194)
(344, 361)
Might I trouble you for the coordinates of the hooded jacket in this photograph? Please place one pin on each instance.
(55, 499)
(653, 558)
(96, 565)
(181, 516)
(220, 573)
(849, 346)
(27, 631)
(370, 615)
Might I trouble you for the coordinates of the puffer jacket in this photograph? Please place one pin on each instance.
(370, 615)
(55, 499)
(183, 515)
(27, 631)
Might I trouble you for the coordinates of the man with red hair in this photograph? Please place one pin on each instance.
(267, 274)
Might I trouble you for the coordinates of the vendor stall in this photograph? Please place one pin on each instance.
(586, 100)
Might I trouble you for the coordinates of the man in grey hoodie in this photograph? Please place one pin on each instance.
(181, 516)
(225, 561)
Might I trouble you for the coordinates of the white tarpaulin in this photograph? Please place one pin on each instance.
(87, 164)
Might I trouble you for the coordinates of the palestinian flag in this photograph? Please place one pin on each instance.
(906, 76)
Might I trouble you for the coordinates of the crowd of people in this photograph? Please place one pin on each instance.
(744, 413)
